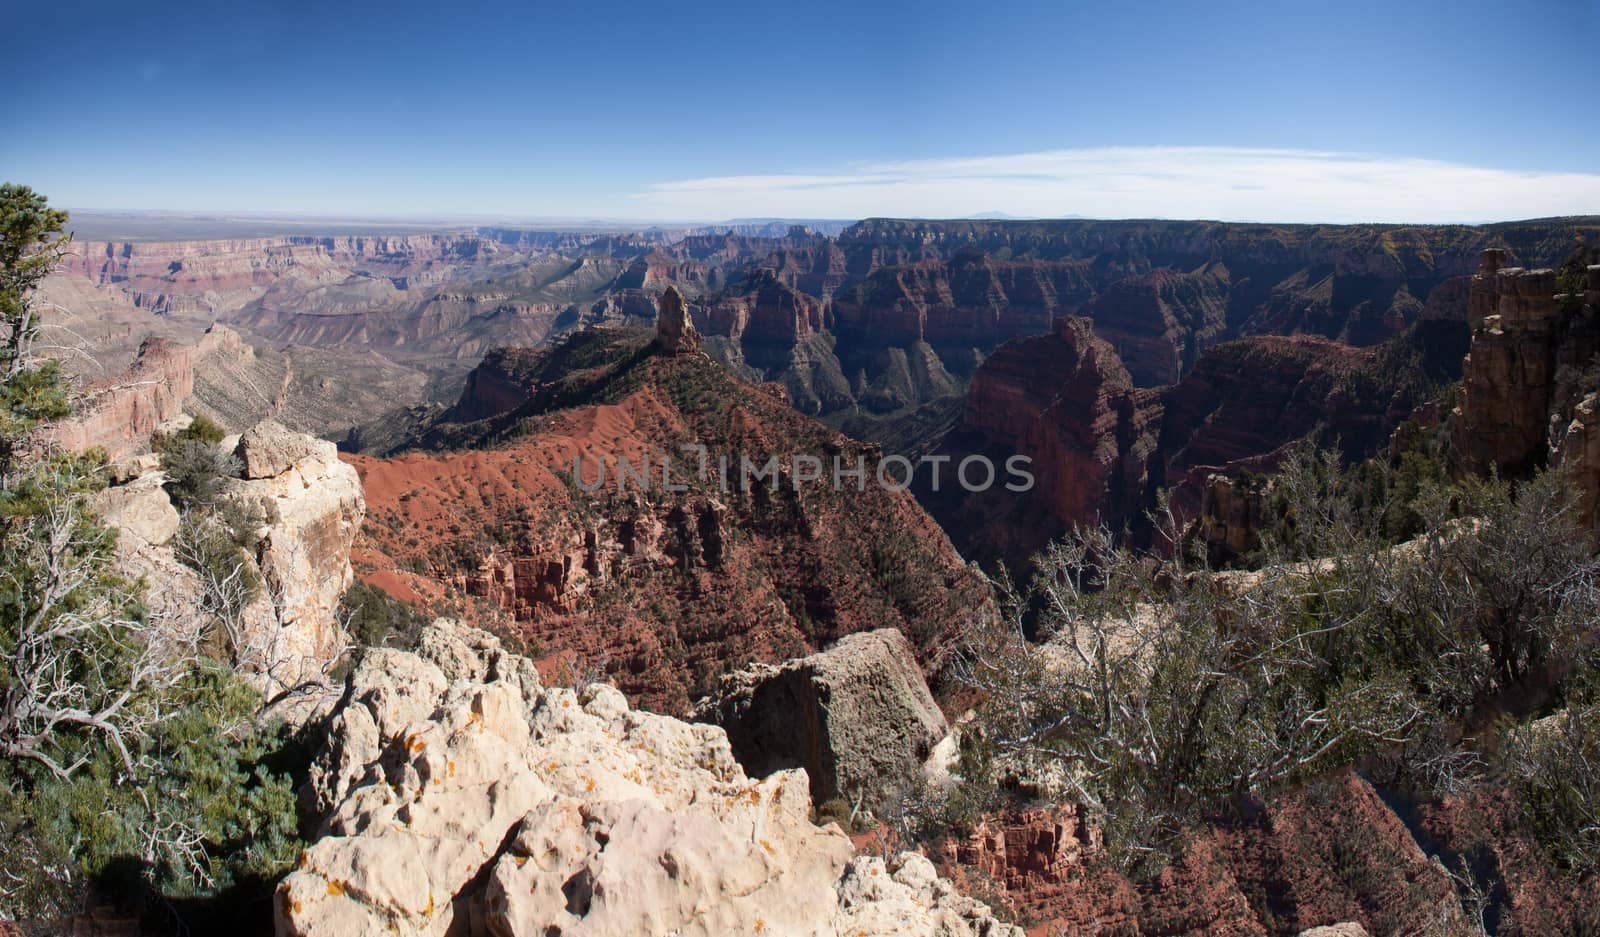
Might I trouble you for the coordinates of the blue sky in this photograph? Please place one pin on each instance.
(1395, 111)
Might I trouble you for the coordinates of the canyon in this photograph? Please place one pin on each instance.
(1214, 346)
(882, 319)
(1123, 359)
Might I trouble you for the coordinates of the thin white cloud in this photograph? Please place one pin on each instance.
(1224, 183)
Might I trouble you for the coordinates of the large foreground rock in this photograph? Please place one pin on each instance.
(462, 797)
(288, 634)
(858, 717)
(269, 448)
(311, 509)
(139, 509)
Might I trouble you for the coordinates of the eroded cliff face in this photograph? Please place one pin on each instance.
(1160, 322)
(1065, 401)
(121, 413)
(1247, 398)
(1523, 379)
(1124, 248)
(502, 381)
(970, 300)
(1102, 449)
(219, 277)
(762, 310)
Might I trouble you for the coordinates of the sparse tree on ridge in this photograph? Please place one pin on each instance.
(119, 744)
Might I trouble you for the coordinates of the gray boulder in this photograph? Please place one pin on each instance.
(858, 717)
(140, 508)
(269, 449)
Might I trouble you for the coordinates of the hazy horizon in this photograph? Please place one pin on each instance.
(149, 225)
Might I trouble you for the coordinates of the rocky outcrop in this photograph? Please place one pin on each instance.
(268, 448)
(462, 797)
(139, 508)
(675, 332)
(1577, 451)
(287, 633)
(1232, 514)
(311, 510)
(857, 717)
(1508, 376)
(1526, 367)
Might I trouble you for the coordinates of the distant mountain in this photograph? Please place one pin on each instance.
(776, 227)
(1006, 216)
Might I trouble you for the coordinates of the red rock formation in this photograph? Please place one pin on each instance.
(1065, 401)
(818, 270)
(1334, 852)
(666, 590)
(675, 332)
(1247, 398)
(499, 383)
(1042, 861)
(1101, 449)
